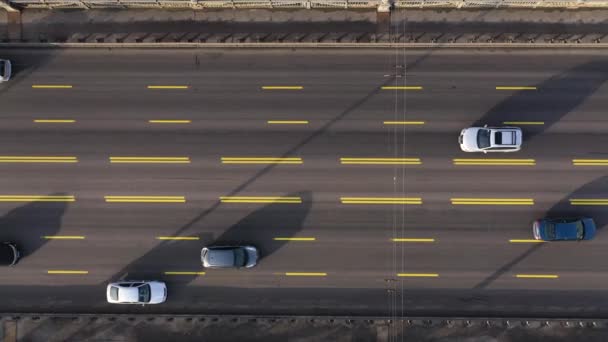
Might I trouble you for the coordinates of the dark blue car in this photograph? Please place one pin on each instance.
(561, 229)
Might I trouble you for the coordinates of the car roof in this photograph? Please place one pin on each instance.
(566, 230)
(221, 257)
(128, 294)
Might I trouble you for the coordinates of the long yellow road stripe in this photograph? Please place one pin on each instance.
(170, 121)
(54, 121)
(305, 274)
(294, 239)
(184, 273)
(413, 240)
(37, 159)
(590, 162)
(66, 272)
(537, 276)
(589, 201)
(525, 241)
(287, 122)
(36, 198)
(51, 86)
(63, 237)
(168, 87)
(523, 122)
(494, 162)
(404, 122)
(381, 200)
(150, 160)
(253, 199)
(282, 87)
(178, 238)
(514, 88)
(381, 161)
(401, 88)
(145, 199)
(261, 160)
(492, 201)
(418, 275)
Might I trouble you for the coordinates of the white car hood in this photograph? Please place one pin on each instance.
(469, 139)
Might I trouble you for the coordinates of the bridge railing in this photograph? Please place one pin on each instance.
(310, 4)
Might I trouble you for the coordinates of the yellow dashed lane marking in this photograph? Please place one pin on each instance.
(418, 275)
(63, 237)
(525, 241)
(537, 276)
(294, 239)
(413, 240)
(37, 159)
(66, 272)
(492, 201)
(514, 88)
(54, 121)
(381, 200)
(523, 122)
(36, 198)
(145, 199)
(589, 201)
(590, 162)
(184, 273)
(168, 87)
(51, 86)
(402, 88)
(150, 160)
(306, 274)
(178, 238)
(404, 122)
(261, 160)
(287, 122)
(495, 162)
(282, 87)
(170, 121)
(253, 199)
(381, 161)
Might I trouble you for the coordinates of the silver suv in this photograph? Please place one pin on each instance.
(229, 256)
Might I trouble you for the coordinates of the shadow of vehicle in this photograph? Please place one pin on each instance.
(262, 226)
(29, 224)
(257, 229)
(595, 189)
(553, 99)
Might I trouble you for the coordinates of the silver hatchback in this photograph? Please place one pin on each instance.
(229, 256)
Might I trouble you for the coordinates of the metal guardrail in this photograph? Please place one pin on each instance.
(309, 4)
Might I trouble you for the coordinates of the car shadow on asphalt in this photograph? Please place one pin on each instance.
(554, 98)
(563, 209)
(258, 229)
(28, 225)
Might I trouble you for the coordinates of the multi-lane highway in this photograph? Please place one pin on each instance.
(342, 166)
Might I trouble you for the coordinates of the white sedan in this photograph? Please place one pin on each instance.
(490, 139)
(137, 292)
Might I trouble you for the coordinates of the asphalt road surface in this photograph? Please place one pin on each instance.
(122, 164)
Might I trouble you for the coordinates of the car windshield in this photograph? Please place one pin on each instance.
(144, 293)
(483, 138)
(580, 230)
(240, 258)
(550, 231)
